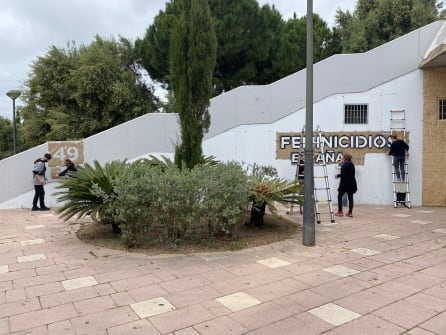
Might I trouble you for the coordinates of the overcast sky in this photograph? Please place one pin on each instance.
(28, 28)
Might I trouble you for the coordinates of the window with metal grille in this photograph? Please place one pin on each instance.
(355, 113)
(442, 109)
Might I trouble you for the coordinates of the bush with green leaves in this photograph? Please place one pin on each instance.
(266, 187)
(167, 205)
(153, 201)
(90, 191)
(224, 197)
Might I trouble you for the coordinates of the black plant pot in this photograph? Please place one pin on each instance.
(257, 214)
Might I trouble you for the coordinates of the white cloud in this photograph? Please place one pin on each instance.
(29, 28)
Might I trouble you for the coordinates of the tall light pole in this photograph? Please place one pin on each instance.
(14, 94)
(308, 217)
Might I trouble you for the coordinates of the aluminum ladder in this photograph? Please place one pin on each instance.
(321, 191)
(401, 190)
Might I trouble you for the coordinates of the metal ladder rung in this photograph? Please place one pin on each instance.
(401, 193)
(324, 177)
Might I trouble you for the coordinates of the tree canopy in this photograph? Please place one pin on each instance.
(375, 22)
(192, 62)
(6, 137)
(253, 43)
(76, 92)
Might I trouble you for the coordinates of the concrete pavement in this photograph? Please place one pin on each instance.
(382, 272)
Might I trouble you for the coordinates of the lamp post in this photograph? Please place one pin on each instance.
(14, 94)
(309, 238)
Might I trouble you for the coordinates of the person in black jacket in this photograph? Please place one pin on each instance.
(70, 167)
(398, 150)
(347, 184)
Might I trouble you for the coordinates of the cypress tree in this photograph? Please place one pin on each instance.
(192, 61)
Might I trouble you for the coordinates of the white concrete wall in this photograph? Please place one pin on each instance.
(16, 172)
(244, 121)
(339, 74)
(155, 132)
(257, 143)
(150, 133)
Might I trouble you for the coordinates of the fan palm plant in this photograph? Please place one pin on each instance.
(166, 163)
(90, 191)
(267, 189)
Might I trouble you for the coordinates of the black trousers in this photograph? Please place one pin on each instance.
(398, 164)
(39, 195)
(350, 201)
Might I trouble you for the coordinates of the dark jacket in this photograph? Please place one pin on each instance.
(398, 148)
(69, 168)
(347, 175)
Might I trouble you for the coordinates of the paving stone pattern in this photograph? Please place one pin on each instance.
(381, 272)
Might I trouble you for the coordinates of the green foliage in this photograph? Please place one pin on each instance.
(293, 41)
(165, 162)
(90, 191)
(192, 62)
(153, 201)
(224, 197)
(254, 43)
(6, 138)
(77, 92)
(266, 187)
(375, 22)
(170, 205)
(247, 39)
(236, 245)
(154, 49)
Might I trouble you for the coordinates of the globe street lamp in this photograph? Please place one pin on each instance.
(14, 94)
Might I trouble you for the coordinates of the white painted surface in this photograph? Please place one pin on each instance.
(334, 314)
(31, 258)
(73, 284)
(341, 271)
(244, 122)
(238, 301)
(152, 307)
(273, 262)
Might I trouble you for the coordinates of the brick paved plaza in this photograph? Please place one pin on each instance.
(382, 272)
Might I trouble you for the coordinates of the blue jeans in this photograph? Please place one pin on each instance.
(398, 164)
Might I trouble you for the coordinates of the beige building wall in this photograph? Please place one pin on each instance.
(434, 138)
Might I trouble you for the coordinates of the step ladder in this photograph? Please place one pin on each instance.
(299, 179)
(321, 192)
(401, 190)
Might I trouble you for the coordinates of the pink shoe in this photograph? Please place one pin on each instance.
(349, 214)
(339, 213)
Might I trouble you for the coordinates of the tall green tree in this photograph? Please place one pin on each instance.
(291, 52)
(375, 22)
(76, 92)
(154, 49)
(6, 140)
(249, 39)
(192, 63)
